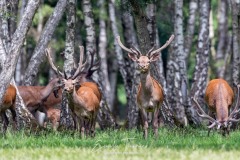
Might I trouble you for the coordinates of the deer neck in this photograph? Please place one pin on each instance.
(146, 82)
(46, 91)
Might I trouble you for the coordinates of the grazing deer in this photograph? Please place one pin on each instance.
(36, 97)
(83, 96)
(219, 97)
(8, 103)
(150, 93)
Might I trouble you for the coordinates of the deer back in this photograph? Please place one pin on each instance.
(219, 97)
(88, 96)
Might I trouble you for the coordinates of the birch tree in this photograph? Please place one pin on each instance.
(202, 54)
(39, 51)
(16, 44)
(66, 120)
(235, 30)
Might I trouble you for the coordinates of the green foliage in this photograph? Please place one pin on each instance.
(121, 94)
(43, 13)
(118, 144)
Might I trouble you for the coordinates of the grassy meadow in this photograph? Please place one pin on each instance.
(179, 144)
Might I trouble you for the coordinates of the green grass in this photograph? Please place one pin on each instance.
(171, 144)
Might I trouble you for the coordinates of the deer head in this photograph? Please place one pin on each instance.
(144, 61)
(81, 73)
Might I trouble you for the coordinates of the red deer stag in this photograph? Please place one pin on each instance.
(8, 103)
(150, 93)
(84, 97)
(41, 98)
(219, 97)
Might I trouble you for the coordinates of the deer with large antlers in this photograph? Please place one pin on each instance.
(8, 103)
(150, 94)
(219, 97)
(83, 96)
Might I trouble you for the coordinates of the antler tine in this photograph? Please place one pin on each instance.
(136, 50)
(149, 52)
(122, 46)
(80, 64)
(48, 52)
(164, 46)
(203, 114)
(235, 110)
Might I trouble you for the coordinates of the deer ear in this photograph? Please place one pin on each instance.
(154, 57)
(133, 56)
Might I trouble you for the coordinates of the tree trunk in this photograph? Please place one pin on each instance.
(39, 51)
(202, 56)
(222, 37)
(89, 24)
(141, 27)
(16, 44)
(193, 6)
(132, 74)
(4, 30)
(104, 77)
(177, 78)
(236, 29)
(20, 69)
(66, 120)
(190, 110)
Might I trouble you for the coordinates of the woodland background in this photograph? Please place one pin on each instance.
(206, 46)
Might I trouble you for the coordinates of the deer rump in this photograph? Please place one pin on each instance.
(219, 97)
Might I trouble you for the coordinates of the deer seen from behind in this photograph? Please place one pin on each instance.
(83, 95)
(150, 94)
(9, 100)
(219, 97)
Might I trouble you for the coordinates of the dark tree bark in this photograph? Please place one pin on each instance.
(39, 51)
(236, 31)
(141, 27)
(66, 120)
(16, 44)
(132, 77)
(202, 56)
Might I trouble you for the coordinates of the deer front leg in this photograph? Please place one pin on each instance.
(145, 123)
(155, 121)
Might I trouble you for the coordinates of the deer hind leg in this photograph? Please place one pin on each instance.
(14, 116)
(4, 121)
(155, 121)
(145, 123)
(93, 124)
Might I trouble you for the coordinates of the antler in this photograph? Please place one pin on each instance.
(204, 115)
(48, 54)
(131, 50)
(91, 68)
(163, 47)
(80, 64)
(235, 110)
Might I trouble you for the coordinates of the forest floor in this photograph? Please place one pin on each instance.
(179, 144)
